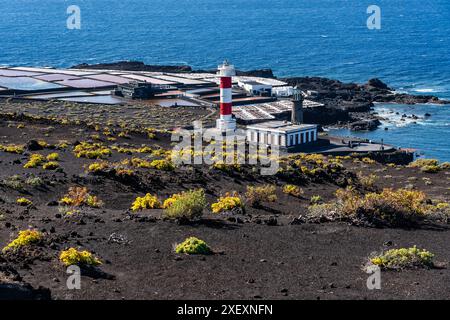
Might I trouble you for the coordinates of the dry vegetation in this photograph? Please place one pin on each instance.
(102, 188)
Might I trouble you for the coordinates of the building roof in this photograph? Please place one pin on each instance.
(281, 126)
(254, 83)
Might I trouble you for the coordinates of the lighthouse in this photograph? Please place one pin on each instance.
(297, 106)
(226, 122)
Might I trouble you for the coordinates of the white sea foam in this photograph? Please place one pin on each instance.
(425, 90)
(392, 119)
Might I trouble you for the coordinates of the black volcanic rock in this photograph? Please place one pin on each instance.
(262, 73)
(377, 84)
(12, 286)
(23, 291)
(133, 66)
(140, 66)
(33, 145)
(365, 125)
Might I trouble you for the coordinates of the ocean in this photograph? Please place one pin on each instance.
(428, 135)
(330, 38)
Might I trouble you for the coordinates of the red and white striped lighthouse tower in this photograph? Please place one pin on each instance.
(226, 122)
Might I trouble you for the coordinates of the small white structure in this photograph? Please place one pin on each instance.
(282, 133)
(255, 87)
(312, 93)
(284, 91)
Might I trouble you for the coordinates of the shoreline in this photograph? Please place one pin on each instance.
(344, 104)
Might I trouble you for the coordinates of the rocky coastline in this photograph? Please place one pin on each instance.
(345, 104)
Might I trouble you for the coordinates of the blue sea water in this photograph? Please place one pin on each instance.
(428, 135)
(411, 51)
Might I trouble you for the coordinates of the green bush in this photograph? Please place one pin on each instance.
(316, 199)
(193, 245)
(404, 258)
(257, 195)
(189, 204)
(14, 182)
(34, 181)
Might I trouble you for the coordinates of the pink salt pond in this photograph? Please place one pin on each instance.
(86, 83)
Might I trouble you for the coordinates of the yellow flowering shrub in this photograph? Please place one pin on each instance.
(50, 165)
(122, 172)
(62, 144)
(313, 157)
(54, 156)
(25, 238)
(391, 165)
(161, 152)
(91, 151)
(163, 164)
(23, 202)
(147, 202)
(98, 166)
(43, 143)
(404, 258)
(140, 163)
(193, 245)
(368, 160)
(72, 256)
(419, 163)
(293, 190)
(343, 157)
(144, 149)
(34, 161)
(227, 203)
(169, 201)
(426, 165)
(227, 167)
(12, 148)
(123, 149)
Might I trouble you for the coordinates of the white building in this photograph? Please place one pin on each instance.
(282, 133)
(255, 87)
